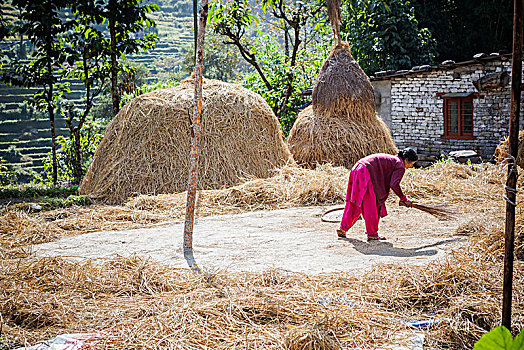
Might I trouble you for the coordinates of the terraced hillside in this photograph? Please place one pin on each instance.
(174, 22)
(25, 136)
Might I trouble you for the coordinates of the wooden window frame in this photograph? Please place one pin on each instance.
(460, 135)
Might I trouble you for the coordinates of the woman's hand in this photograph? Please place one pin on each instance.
(406, 203)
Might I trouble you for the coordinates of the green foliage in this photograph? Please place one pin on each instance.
(278, 70)
(467, 27)
(16, 192)
(220, 60)
(7, 175)
(285, 52)
(386, 37)
(50, 203)
(500, 338)
(164, 84)
(48, 198)
(42, 23)
(231, 17)
(90, 137)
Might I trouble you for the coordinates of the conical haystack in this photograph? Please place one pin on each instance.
(320, 138)
(342, 88)
(145, 149)
(341, 126)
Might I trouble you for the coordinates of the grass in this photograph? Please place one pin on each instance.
(32, 192)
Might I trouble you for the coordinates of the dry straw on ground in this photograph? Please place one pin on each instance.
(139, 304)
(145, 149)
(444, 183)
(341, 126)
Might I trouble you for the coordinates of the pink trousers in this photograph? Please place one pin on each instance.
(361, 199)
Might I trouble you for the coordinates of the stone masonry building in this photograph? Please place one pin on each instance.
(449, 107)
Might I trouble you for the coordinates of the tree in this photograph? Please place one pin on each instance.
(41, 22)
(127, 22)
(463, 28)
(195, 138)
(220, 61)
(294, 28)
(89, 55)
(272, 57)
(386, 35)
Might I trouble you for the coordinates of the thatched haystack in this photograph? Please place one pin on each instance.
(320, 138)
(341, 126)
(342, 88)
(502, 151)
(145, 149)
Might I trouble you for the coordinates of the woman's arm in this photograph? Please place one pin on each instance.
(396, 177)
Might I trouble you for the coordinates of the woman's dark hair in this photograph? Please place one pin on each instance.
(409, 154)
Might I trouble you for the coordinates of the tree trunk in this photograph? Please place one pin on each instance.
(511, 182)
(53, 135)
(115, 95)
(195, 140)
(51, 112)
(78, 157)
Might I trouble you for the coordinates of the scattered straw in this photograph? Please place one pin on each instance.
(290, 186)
(139, 304)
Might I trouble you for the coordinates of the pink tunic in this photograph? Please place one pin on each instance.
(386, 172)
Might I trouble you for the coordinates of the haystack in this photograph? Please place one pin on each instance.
(341, 126)
(145, 149)
(502, 151)
(342, 88)
(323, 138)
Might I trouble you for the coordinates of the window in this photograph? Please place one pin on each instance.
(458, 115)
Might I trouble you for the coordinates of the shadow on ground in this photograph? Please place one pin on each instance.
(385, 248)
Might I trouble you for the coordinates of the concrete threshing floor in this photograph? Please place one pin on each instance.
(293, 239)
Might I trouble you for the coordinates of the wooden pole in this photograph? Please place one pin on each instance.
(195, 140)
(511, 183)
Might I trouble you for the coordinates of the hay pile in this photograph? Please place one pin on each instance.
(341, 126)
(145, 149)
(502, 151)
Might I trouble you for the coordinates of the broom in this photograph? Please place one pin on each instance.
(438, 211)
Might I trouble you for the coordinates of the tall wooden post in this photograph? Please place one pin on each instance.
(511, 183)
(195, 140)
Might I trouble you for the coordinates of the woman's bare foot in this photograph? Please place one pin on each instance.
(341, 233)
(376, 238)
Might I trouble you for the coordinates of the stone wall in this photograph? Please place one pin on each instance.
(415, 111)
